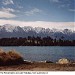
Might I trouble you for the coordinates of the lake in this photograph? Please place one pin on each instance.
(43, 53)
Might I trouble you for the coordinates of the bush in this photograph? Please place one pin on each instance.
(10, 58)
(63, 61)
(16, 58)
(2, 56)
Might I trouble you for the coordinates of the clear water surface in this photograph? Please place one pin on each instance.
(44, 53)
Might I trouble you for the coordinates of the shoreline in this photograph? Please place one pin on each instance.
(13, 61)
(39, 66)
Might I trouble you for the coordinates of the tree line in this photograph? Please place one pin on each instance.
(35, 41)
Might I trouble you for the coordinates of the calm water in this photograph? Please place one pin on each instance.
(42, 53)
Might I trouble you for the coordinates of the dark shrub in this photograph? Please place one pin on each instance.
(10, 58)
(15, 57)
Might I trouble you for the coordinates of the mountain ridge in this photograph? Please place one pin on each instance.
(7, 31)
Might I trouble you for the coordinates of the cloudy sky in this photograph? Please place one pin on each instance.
(38, 13)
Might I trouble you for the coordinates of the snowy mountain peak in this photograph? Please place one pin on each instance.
(8, 28)
(17, 31)
(39, 29)
(27, 28)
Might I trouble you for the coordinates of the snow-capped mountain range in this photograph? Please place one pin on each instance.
(7, 31)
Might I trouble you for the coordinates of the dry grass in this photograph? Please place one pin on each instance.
(10, 58)
(63, 61)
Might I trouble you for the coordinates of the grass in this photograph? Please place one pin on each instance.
(10, 58)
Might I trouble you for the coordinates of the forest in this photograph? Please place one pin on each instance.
(35, 41)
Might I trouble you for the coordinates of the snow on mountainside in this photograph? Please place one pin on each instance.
(27, 28)
(7, 27)
(39, 29)
(7, 31)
